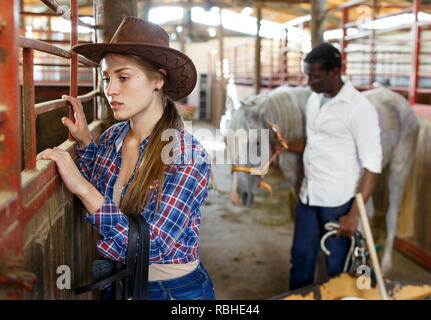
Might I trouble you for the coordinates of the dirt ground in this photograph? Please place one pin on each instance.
(247, 250)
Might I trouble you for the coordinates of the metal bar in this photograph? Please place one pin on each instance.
(60, 103)
(10, 130)
(61, 11)
(46, 14)
(385, 15)
(95, 70)
(285, 54)
(271, 64)
(29, 114)
(44, 47)
(38, 185)
(416, 33)
(423, 24)
(73, 90)
(372, 48)
(62, 41)
(56, 65)
(345, 20)
(347, 5)
(10, 135)
(3, 114)
(257, 53)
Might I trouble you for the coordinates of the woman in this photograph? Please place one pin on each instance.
(135, 169)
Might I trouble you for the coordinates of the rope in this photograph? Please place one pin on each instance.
(355, 250)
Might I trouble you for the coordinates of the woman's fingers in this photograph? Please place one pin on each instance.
(76, 106)
(48, 154)
(43, 154)
(69, 124)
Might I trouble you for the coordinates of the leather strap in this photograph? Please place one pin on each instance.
(97, 285)
(140, 291)
(130, 257)
(126, 273)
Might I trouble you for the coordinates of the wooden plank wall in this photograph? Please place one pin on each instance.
(57, 236)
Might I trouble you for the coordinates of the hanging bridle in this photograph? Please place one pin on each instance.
(280, 147)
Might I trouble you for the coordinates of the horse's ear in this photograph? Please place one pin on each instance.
(229, 104)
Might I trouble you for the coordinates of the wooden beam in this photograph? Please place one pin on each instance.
(318, 9)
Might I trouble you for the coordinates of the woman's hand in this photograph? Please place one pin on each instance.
(67, 169)
(79, 130)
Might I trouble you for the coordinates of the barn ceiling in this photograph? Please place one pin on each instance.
(279, 11)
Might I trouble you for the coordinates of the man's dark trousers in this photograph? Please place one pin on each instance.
(309, 228)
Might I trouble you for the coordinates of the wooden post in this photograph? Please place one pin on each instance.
(318, 14)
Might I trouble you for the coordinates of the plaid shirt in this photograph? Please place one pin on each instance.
(174, 229)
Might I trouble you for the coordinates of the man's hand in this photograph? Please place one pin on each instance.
(297, 146)
(348, 225)
(349, 222)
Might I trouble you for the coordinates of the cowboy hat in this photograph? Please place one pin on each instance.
(140, 37)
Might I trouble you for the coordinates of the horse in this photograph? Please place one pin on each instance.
(285, 107)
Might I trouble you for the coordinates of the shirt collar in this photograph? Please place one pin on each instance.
(345, 93)
(123, 131)
(120, 138)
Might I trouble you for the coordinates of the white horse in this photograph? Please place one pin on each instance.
(285, 107)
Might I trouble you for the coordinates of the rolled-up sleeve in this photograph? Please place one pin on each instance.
(366, 132)
(86, 157)
(113, 225)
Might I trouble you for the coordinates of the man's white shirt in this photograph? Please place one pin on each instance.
(343, 136)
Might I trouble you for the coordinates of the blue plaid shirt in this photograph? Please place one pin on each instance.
(174, 229)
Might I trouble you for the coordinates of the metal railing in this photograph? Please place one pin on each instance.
(369, 56)
(23, 191)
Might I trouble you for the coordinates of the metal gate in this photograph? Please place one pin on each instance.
(43, 236)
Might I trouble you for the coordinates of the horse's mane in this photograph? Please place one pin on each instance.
(284, 106)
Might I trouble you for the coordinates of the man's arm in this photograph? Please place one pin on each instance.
(297, 146)
(349, 222)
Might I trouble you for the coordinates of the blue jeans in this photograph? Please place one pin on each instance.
(196, 285)
(309, 229)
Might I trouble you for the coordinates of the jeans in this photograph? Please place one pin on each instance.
(196, 285)
(309, 229)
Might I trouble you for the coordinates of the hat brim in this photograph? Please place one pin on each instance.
(181, 71)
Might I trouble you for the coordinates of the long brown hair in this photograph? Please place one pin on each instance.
(151, 166)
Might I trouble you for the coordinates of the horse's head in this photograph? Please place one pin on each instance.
(248, 147)
(283, 106)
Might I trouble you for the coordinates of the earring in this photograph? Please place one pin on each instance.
(156, 89)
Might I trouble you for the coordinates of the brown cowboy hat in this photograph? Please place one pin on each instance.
(141, 37)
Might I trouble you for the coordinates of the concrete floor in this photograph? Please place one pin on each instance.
(247, 250)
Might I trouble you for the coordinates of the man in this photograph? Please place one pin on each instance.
(343, 141)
